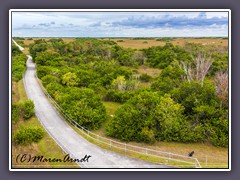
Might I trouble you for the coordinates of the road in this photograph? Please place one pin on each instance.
(21, 48)
(71, 142)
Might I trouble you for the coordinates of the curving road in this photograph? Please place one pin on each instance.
(21, 48)
(71, 142)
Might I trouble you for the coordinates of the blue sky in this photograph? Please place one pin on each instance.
(119, 24)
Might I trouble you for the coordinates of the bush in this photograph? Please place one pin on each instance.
(84, 106)
(148, 117)
(145, 77)
(28, 135)
(27, 109)
(117, 96)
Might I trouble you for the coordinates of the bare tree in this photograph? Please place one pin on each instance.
(221, 80)
(198, 69)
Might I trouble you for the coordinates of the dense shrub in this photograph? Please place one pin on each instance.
(84, 106)
(148, 117)
(26, 109)
(117, 96)
(145, 77)
(28, 135)
(18, 67)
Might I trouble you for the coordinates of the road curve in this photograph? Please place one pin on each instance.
(71, 142)
(21, 48)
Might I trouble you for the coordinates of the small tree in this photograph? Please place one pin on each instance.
(119, 83)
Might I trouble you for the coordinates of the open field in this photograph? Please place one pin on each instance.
(139, 44)
(142, 43)
(46, 147)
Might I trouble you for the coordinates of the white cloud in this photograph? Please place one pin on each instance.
(100, 24)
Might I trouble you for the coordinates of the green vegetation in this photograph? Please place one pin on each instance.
(28, 135)
(23, 109)
(187, 102)
(18, 63)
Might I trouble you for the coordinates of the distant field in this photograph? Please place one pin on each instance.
(139, 44)
(145, 43)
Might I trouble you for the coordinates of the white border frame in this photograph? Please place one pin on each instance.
(117, 10)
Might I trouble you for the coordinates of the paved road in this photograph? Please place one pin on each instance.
(71, 142)
(21, 48)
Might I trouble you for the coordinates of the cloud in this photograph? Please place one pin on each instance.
(171, 21)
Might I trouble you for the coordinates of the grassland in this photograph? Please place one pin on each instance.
(46, 147)
(140, 44)
(145, 43)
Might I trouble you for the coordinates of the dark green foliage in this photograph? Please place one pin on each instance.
(43, 71)
(18, 66)
(170, 78)
(148, 117)
(145, 77)
(165, 39)
(117, 96)
(193, 95)
(84, 106)
(219, 133)
(38, 46)
(162, 56)
(50, 79)
(48, 59)
(16, 50)
(28, 135)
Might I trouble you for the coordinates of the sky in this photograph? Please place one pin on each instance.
(120, 24)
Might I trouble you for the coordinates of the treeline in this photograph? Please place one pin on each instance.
(187, 102)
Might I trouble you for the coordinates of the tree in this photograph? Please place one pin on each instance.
(70, 79)
(38, 46)
(148, 117)
(119, 83)
(83, 106)
(171, 77)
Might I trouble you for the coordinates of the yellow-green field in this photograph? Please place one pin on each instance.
(139, 44)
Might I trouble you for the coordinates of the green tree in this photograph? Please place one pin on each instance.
(70, 79)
